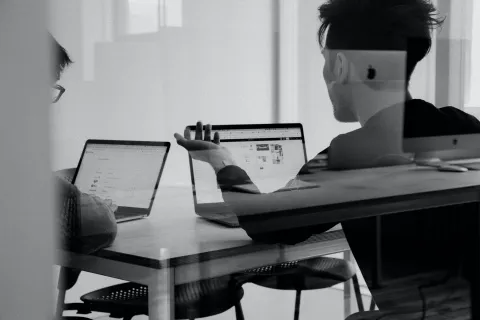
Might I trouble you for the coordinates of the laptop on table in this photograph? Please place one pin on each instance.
(126, 172)
(271, 154)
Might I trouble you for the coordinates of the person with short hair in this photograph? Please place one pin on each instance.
(412, 242)
(87, 223)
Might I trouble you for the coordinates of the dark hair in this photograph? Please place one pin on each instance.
(404, 25)
(61, 57)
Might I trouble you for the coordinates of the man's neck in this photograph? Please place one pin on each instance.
(369, 106)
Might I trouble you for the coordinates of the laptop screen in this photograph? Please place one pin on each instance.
(124, 173)
(270, 156)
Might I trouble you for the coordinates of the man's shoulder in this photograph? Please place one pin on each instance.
(462, 115)
(351, 136)
(424, 119)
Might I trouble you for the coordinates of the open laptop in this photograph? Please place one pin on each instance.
(271, 154)
(126, 172)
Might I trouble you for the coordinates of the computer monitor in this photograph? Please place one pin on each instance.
(450, 142)
(445, 146)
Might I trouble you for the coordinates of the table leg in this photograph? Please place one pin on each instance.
(475, 274)
(347, 290)
(161, 292)
(377, 265)
(67, 278)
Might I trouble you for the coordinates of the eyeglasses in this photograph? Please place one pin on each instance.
(57, 92)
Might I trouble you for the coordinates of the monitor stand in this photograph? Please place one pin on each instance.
(428, 160)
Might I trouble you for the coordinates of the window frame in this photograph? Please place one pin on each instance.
(453, 81)
(475, 109)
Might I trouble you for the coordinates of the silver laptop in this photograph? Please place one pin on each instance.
(271, 154)
(126, 172)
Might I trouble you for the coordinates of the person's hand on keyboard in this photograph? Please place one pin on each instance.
(97, 227)
(111, 205)
(203, 148)
(88, 202)
(95, 203)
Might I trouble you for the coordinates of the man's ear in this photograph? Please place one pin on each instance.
(341, 69)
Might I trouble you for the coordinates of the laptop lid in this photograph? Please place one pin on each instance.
(126, 172)
(271, 154)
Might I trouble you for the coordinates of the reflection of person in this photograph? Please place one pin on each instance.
(97, 220)
(419, 240)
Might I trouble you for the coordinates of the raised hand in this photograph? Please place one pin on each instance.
(203, 148)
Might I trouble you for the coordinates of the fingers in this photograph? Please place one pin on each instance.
(186, 141)
(180, 140)
(216, 138)
(199, 131)
(187, 134)
(208, 133)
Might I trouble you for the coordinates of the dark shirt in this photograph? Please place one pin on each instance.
(425, 120)
(420, 238)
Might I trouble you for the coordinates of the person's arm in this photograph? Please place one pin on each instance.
(232, 181)
(229, 178)
(87, 223)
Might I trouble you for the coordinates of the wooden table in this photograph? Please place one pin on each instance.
(173, 246)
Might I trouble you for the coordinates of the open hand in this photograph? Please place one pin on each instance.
(203, 148)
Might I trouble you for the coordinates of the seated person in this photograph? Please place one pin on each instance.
(411, 242)
(95, 226)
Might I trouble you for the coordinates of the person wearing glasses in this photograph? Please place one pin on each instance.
(94, 215)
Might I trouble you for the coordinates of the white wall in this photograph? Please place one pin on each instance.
(216, 68)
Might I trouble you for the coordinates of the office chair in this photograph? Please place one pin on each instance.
(214, 296)
(190, 299)
(195, 300)
(311, 274)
